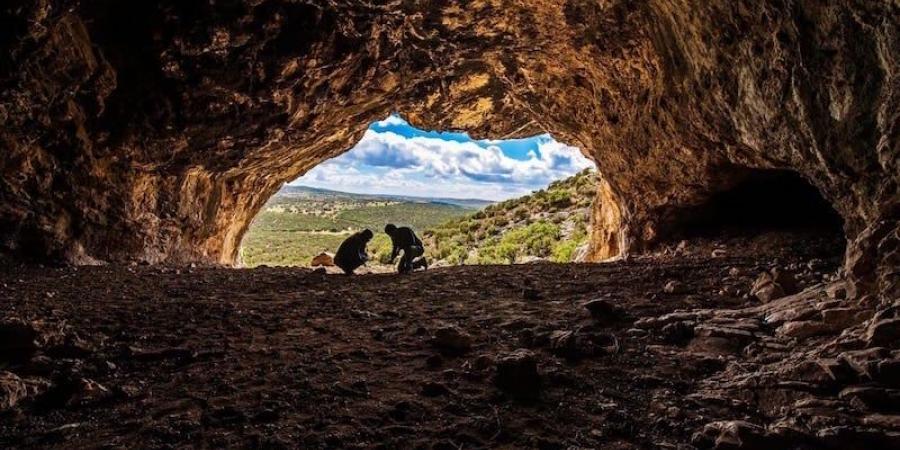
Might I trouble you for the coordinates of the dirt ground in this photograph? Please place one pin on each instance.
(162, 357)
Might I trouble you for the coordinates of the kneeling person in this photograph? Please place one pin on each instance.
(352, 252)
(404, 239)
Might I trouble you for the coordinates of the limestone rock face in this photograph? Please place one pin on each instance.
(155, 130)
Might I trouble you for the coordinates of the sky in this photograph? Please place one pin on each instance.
(395, 158)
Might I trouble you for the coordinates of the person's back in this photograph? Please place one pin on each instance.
(352, 252)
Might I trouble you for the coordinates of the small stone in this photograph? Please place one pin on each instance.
(677, 333)
(765, 289)
(12, 390)
(323, 259)
(734, 272)
(733, 434)
(518, 376)
(603, 310)
(571, 345)
(719, 253)
(452, 340)
(675, 287)
(88, 391)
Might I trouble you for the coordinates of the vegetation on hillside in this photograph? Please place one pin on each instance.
(549, 224)
(292, 228)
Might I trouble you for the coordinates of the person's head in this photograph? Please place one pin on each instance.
(367, 234)
(390, 229)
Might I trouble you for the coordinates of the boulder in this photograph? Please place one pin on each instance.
(518, 376)
(323, 259)
(451, 340)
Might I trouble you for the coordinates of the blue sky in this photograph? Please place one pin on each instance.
(396, 158)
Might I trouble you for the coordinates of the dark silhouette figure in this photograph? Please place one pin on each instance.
(352, 252)
(404, 239)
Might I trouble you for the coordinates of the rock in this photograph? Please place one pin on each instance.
(603, 311)
(88, 391)
(803, 329)
(884, 333)
(840, 318)
(677, 333)
(765, 289)
(719, 253)
(323, 259)
(518, 376)
(451, 340)
(872, 398)
(571, 345)
(837, 291)
(675, 287)
(890, 422)
(734, 434)
(865, 362)
(12, 390)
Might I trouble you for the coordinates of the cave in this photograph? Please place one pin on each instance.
(137, 143)
(760, 201)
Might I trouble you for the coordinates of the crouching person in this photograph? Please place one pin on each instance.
(352, 252)
(405, 240)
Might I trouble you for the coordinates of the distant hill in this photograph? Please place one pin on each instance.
(549, 224)
(313, 193)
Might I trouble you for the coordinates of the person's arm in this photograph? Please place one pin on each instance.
(394, 251)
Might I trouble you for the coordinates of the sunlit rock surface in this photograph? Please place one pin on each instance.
(155, 130)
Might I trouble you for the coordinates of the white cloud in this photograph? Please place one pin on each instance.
(391, 120)
(386, 162)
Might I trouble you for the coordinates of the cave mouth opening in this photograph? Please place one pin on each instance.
(760, 205)
(471, 201)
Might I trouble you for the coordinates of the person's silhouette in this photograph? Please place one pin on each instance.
(405, 240)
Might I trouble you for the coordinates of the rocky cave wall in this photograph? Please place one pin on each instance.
(155, 130)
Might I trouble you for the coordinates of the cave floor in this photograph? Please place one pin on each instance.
(161, 357)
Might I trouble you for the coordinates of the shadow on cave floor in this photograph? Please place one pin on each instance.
(282, 358)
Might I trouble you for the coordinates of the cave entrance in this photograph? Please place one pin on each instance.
(764, 207)
(471, 201)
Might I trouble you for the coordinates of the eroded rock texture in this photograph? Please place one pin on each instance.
(154, 130)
